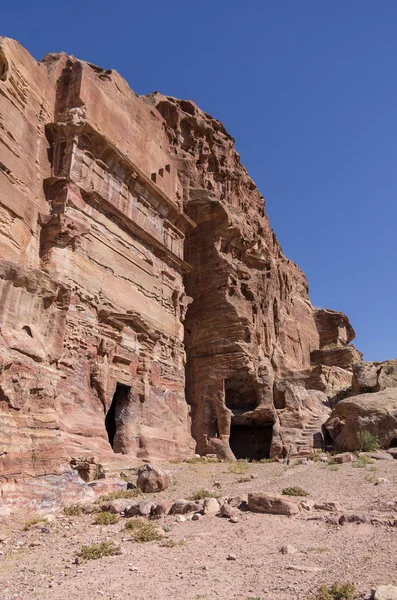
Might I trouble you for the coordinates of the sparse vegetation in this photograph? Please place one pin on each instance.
(74, 510)
(119, 494)
(95, 551)
(201, 494)
(294, 491)
(333, 467)
(316, 455)
(143, 531)
(31, 522)
(362, 461)
(338, 591)
(106, 518)
(243, 479)
(202, 460)
(367, 442)
(265, 461)
(169, 543)
(239, 468)
(370, 478)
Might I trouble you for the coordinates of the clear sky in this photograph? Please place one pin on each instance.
(307, 87)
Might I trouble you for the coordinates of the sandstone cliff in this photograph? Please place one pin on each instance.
(135, 248)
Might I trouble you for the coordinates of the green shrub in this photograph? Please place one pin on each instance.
(143, 531)
(74, 510)
(239, 468)
(201, 494)
(119, 494)
(367, 442)
(338, 591)
(95, 551)
(106, 518)
(28, 524)
(362, 461)
(333, 467)
(294, 491)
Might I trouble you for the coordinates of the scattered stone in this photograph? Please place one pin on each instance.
(307, 504)
(352, 518)
(332, 520)
(228, 511)
(140, 509)
(211, 506)
(382, 481)
(304, 569)
(385, 592)
(117, 506)
(329, 506)
(152, 479)
(272, 504)
(236, 501)
(234, 519)
(392, 452)
(288, 549)
(180, 519)
(197, 517)
(231, 557)
(163, 507)
(379, 455)
(343, 458)
(182, 507)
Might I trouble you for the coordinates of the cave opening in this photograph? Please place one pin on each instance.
(393, 443)
(251, 442)
(120, 398)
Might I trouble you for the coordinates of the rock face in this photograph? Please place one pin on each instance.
(134, 248)
(376, 413)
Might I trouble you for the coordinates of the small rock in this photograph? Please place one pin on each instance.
(234, 519)
(288, 549)
(231, 557)
(343, 458)
(272, 504)
(77, 561)
(211, 506)
(228, 511)
(379, 455)
(182, 507)
(307, 504)
(163, 507)
(217, 484)
(330, 506)
(382, 481)
(180, 519)
(352, 518)
(117, 506)
(197, 517)
(304, 569)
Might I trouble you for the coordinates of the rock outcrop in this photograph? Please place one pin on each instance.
(134, 247)
(375, 413)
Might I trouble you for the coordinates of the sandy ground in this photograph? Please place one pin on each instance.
(39, 563)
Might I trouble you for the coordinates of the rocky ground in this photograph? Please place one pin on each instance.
(214, 557)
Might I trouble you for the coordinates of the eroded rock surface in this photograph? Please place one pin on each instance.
(134, 247)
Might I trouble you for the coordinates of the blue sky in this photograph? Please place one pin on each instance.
(307, 87)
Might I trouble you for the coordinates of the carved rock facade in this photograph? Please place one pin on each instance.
(147, 308)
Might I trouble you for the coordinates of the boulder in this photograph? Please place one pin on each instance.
(385, 592)
(274, 504)
(182, 507)
(211, 506)
(107, 485)
(152, 479)
(330, 506)
(343, 458)
(375, 413)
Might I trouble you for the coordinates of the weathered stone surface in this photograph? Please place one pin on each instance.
(385, 592)
(152, 479)
(376, 413)
(134, 247)
(272, 504)
(374, 376)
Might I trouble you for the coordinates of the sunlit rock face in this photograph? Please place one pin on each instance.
(147, 309)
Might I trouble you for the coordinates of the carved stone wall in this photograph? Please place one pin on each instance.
(135, 250)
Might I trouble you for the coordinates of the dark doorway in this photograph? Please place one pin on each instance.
(119, 400)
(251, 442)
(393, 443)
